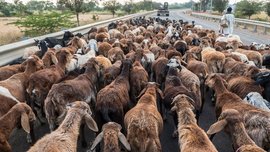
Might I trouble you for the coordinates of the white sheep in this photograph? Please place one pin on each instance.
(255, 99)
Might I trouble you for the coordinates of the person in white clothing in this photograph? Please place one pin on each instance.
(230, 21)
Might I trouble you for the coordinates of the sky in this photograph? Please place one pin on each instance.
(161, 1)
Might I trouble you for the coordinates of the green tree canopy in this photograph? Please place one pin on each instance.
(220, 5)
(44, 23)
(248, 7)
(74, 5)
(267, 8)
(112, 6)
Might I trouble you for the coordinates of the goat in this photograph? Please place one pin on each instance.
(66, 136)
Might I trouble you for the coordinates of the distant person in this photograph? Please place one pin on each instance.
(227, 22)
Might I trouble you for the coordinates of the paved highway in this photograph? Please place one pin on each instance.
(169, 144)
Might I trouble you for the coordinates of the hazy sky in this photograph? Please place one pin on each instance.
(161, 1)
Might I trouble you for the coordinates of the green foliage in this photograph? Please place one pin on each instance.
(112, 6)
(35, 5)
(44, 23)
(204, 4)
(248, 7)
(7, 9)
(90, 6)
(267, 8)
(128, 7)
(181, 5)
(220, 5)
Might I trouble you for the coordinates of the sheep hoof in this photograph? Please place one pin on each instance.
(175, 134)
(29, 139)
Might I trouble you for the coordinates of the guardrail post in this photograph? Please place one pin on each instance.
(245, 26)
(265, 30)
(236, 24)
(255, 28)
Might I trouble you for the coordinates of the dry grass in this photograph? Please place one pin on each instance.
(11, 33)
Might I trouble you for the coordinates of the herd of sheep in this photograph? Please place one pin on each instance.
(123, 81)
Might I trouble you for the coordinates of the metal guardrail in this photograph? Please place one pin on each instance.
(14, 51)
(245, 22)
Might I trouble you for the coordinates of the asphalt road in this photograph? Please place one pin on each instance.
(169, 144)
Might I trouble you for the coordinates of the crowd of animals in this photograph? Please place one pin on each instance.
(124, 80)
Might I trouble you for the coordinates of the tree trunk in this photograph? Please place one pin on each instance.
(78, 22)
(249, 17)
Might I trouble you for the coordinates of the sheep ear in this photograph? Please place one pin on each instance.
(25, 122)
(97, 140)
(217, 127)
(160, 93)
(142, 92)
(124, 141)
(173, 108)
(54, 59)
(91, 123)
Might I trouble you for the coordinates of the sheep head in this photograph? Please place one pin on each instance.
(213, 79)
(229, 116)
(86, 112)
(32, 64)
(110, 134)
(182, 101)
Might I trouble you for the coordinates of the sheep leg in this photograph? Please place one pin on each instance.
(202, 96)
(31, 136)
(175, 120)
(82, 136)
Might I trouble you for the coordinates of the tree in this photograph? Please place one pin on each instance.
(112, 6)
(220, 5)
(90, 6)
(204, 4)
(44, 23)
(20, 8)
(248, 7)
(128, 7)
(267, 8)
(74, 6)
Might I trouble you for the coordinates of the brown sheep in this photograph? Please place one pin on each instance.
(22, 113)
(115, 54)
(15, 86)
(100, 37)
(138, 79)
(191, 137)
(9, 70)
(103, 48)
(144, 123)
(232, 122)
(111, 133)
(214, 59)
(112, 100)
(49, 59)
(159, 67)
(81, 88)
(242, 85)
(41, 81)
(256, 121)
(112, 72)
